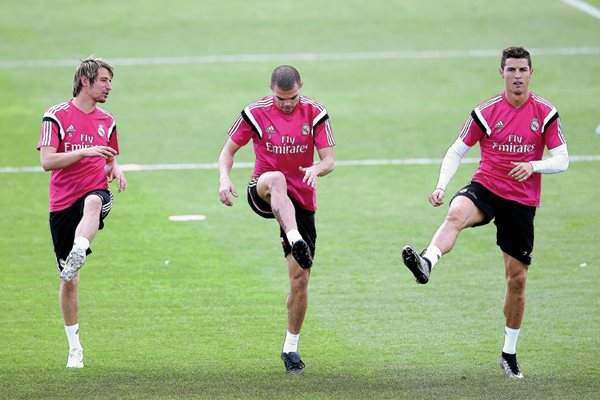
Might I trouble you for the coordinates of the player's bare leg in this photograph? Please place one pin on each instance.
(272, 187)
(88, 226)
(84, 233)
(514, 309)
(514, 300)
(69, 305)
(297, 303)
(297, 300)
(462, 214)
(69, 300)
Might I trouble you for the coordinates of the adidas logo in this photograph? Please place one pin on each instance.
(270, 129)
(70, 130)
(499, 125)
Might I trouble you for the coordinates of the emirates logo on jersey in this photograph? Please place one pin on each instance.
(305, 128)
(514, 144)
(101, 130)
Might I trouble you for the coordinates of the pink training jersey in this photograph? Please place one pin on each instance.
(67, 128)
(506, 133)
(285, 142)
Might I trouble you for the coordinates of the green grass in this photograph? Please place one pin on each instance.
(210, 323)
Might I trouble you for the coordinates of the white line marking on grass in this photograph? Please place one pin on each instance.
(339, 163)
(583, 6)
(250, 58)
(191, 217)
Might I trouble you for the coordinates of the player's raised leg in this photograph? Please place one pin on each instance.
(272, 188)
(463, 213)
(84, 234)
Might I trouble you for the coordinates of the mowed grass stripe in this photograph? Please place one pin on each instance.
(252, 58)
(241, 165)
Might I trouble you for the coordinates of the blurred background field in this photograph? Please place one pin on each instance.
(398, 79)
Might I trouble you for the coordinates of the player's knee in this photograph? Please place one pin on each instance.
(456, 219)
(277, 180)
(299, 282)
(270, 182)
(516, 282)
(70, 288)
(93, 203)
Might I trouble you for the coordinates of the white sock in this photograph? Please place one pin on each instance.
(433, 254)
(291, 342)
(510, 340)
(293, 236)
(73, 337)
(82, 242)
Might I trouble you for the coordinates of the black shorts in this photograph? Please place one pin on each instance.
(514, 221)
(64, 222)
(305, 219)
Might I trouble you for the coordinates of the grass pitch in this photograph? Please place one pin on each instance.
(210, 322)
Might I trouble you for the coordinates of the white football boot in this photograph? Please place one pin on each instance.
(75, 359)
(74, 262)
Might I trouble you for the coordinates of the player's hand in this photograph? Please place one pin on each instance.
(310, 175)
(436, 198)
(98, 151)
(521, 171)
(225, 189)
(118, 175)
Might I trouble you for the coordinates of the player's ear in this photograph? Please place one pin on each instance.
(501, 70)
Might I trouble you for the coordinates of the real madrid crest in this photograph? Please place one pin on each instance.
(305, 129)
(101, 130)
(535, 125)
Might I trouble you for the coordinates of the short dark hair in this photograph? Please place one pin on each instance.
(514, 52)
(285, 77)
(89, 68)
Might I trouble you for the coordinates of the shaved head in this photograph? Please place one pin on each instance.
(285, 77)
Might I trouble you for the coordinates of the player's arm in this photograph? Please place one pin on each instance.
(325, 166)
(52, 160)
(225, 164)
(449, 166)
(557, 162)
(114, 172)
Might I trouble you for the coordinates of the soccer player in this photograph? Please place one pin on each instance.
(78, 143)
(512, 130)
(285, 128)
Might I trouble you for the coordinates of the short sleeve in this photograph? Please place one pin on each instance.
(554, 135)
(470, 132)
(50, 133)
(240, 131)
(323, 134)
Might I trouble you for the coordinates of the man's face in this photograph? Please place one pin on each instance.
(516, 75)
(287, 100)
(100, 89)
